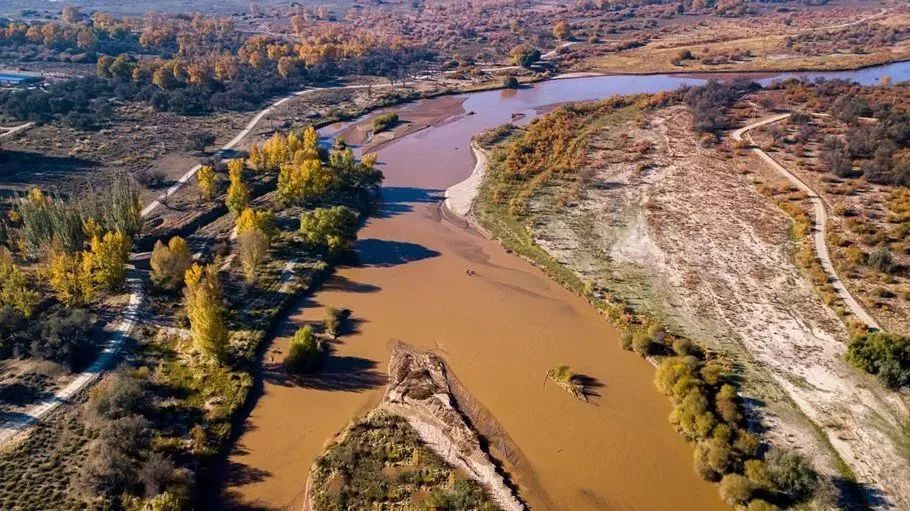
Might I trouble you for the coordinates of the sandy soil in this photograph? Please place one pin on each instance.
(460, 196)
(846, 200)
(690, 239)
(765, 39)
(424, 391)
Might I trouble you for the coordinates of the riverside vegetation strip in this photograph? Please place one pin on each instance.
(563, 208)
(188, 390)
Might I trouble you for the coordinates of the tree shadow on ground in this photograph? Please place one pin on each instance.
(398, 200)
(589, 384)
(386, 253)
(856, 496)
(27, 168)
(19, 393)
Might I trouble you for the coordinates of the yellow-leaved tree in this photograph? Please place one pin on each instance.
(238, 195)
(108, 257)
(70, 277)
(205, 178)
(15, 290)
(205, 310)
(252, 220)
(169, 263)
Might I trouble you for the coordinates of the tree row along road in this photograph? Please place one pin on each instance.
(820, 221)
(16, 423)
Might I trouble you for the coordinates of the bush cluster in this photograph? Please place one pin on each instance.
(884, 355)
(710, 101)
(60, 334)
(707, 410)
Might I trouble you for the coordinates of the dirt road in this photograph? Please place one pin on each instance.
(22, 421)
(820, 222)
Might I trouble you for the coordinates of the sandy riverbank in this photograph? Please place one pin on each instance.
(460, 196)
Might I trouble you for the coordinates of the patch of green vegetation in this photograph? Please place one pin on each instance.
(884, 355)
(384, 122)
(381, 463)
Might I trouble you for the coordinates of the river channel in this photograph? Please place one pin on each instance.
(500, 330)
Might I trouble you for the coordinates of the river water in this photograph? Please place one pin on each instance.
(500, 330)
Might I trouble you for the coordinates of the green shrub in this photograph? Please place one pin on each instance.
(384, 122)
(761, 505)
(333, 320)
(333, 229)
(881, 259)
(791, 474)
(727, 406)
(735, 489)
(305, 351)
(642, 344)
(885, 355)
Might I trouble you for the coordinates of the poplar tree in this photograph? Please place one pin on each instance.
(69, 276)
(169, 263)
(238, 195)
(205, 178)
(205, 310)
(108, 259)
(15, 290)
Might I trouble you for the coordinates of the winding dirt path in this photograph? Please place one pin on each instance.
(820, 221)
(16, 129)
(20, 422)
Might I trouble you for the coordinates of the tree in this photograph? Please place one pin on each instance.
(238, 195)
(304, 352)
(205, 178)
(252, 248)
(510, 82)
(881, 259)
(164, 78)
(103, 66)
(15, 289)
(761, 505)
(205, 310)
(199, 140)
(791, 474)
(735, 489)
(524, 55)
(122, 67)
(333, 229)
(726, 405)
(69, 276)
(561, 30)
(169, 263)
(885, 355)
(71, 14)
(836, 157)
(252, 220)
(108, 257)
(332, 321)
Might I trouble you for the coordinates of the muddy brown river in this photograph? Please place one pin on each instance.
(500, 330)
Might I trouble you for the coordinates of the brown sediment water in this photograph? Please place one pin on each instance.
(500, 329)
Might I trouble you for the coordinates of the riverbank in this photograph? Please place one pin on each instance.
(424, 392)
(710, 262)
(459, 198)
(405, 255)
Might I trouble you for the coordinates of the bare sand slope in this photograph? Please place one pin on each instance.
(691, 240)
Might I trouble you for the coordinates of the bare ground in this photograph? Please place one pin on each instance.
(687, 237)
